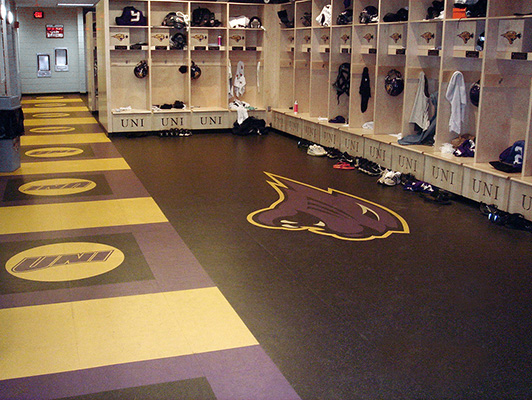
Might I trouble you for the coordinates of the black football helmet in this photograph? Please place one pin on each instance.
(141, 69)
(394, 83)
(195, 71)
(474, 93)
(369, 14)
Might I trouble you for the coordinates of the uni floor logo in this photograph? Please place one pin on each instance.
(57, 187)
(49, 97)
(51, 115)
(61, 262)
(53, 152)
(53, 129)
(330, 212)
(50, 105)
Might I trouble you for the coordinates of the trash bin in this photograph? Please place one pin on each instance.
(9, 154)
(11, 128)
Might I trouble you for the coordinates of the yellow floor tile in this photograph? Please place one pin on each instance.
(74, 138)
(54, 109)
(59, 121)
(35, 340)
(50, 100)
(92, 214)
(65, 166)
(127, 329)
(99, 332)
(208, 321)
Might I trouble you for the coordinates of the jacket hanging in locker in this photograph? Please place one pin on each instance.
(456, 95)
(420, 111)
(365, 90)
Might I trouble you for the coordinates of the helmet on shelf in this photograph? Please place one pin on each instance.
(345, 17)
(195, 71)
(369, 14)
(178, 41)
(176, 20)
(394, 83)
(474, 93)
(141, 69)
(255, 22)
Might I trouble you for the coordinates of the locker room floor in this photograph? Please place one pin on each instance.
(242, 268)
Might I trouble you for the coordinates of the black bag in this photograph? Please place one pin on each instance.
(204, 17)
(11, 123)
(283, 16)
(250, 126)
(345, 17)
(343, 79)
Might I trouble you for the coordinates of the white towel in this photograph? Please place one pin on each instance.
(241, 114)
(325, 17)
(241, 108)
(229, 80)
(456, 95)
(258, 77)
(420, 111)
(239, 85)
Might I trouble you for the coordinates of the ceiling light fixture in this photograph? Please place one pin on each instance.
(10, 17)
(75, 5)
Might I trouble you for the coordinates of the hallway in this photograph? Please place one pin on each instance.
(207, 267)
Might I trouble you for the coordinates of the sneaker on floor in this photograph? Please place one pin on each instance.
(438, 196)
(303, 143)
(374, 169)
(361, 164)
(334, 153)
(383, 175)
(386, 176)
(343, 165)
(419, 186)
(347, 157)
(392, 178)
(316, 150)
(407, 179)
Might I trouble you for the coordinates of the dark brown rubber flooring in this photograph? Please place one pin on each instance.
(444, 312)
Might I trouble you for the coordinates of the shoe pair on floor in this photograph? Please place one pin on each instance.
(369, 167)
(499, 217)
(175, 132)
(348, 162)
(316, 150)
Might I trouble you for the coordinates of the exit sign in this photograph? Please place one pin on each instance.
(38, 14)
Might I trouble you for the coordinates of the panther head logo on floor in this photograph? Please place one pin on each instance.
(326, 212)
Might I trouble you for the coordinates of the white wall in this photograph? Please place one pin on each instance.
(32, 40)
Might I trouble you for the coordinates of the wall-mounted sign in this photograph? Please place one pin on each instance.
(38, 14)
(55, 31)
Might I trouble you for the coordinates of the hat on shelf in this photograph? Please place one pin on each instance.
(511, 159)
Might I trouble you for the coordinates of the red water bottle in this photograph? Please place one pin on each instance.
(296, 107)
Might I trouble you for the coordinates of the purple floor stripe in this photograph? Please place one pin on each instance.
(244, 373)
(95, 380)
(105, 150)
(174, 266)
